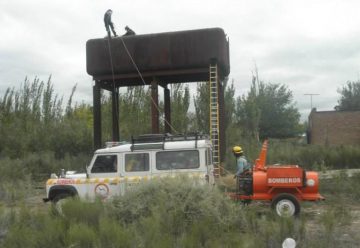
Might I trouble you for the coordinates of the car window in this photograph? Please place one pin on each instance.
(136, 162)
(168, 160)
(105, 164)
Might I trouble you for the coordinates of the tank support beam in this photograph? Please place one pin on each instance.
(167, 110)
(115, 114)
(154, 107)
(97, 114)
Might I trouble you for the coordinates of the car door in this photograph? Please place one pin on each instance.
(104, 176)
(136, 168)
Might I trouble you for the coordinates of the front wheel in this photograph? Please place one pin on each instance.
(286, 205)
(59, 201)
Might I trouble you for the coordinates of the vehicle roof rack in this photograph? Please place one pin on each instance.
(157, 141)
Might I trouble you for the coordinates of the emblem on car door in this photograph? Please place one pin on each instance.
(102, 190)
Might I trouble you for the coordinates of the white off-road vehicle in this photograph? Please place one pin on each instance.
(120, 166)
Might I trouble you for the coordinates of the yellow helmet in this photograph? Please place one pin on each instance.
(237, 150)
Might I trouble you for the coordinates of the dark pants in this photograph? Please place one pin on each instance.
(244, 184)
(108, 26)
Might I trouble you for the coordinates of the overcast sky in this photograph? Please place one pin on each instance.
(311, 46)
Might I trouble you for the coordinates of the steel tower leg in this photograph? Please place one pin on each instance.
(97, 114)
(167, 111)
(154, 107)
(115, 114)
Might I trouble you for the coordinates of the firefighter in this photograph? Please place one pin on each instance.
(243, 178)
(129, 31)
(108, 23)
(241, 162)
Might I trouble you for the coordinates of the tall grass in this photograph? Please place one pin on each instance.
(168, 213)
(314, 156)
(296, 152)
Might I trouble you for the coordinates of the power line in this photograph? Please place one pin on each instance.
(311, 96)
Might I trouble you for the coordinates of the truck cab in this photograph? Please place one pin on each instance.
(118, 167)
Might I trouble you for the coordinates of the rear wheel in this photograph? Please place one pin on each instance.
(286, 205)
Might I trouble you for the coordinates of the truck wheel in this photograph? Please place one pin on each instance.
(59, 201)
(286, 205)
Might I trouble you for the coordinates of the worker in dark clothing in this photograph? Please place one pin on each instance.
(129, 31)
(243, 181)
(241, 162)
(108, 23)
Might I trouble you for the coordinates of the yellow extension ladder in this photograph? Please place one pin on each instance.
(214, 117)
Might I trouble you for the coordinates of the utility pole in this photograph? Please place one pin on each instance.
(311, 96)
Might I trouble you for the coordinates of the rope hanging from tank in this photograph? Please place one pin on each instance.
(140, 75)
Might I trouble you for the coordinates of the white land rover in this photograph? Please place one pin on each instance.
(118, 167)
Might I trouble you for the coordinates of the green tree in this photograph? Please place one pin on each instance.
(248, 112)
(180, 102)
(32, 119)
(202, 107)
(229, 102)
(135, 112)
(349, 96)
(269, 108)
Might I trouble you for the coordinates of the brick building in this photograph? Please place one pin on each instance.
(334, 127)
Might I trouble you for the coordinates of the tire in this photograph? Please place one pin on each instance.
(286, 205)
(59, 200)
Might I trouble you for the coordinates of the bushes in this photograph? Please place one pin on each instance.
(161, 213)
(18, 177)
(313, 157)
(171, 213)
(39, 165)
(310, 157)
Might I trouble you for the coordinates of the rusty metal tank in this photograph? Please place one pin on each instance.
(182, 56)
